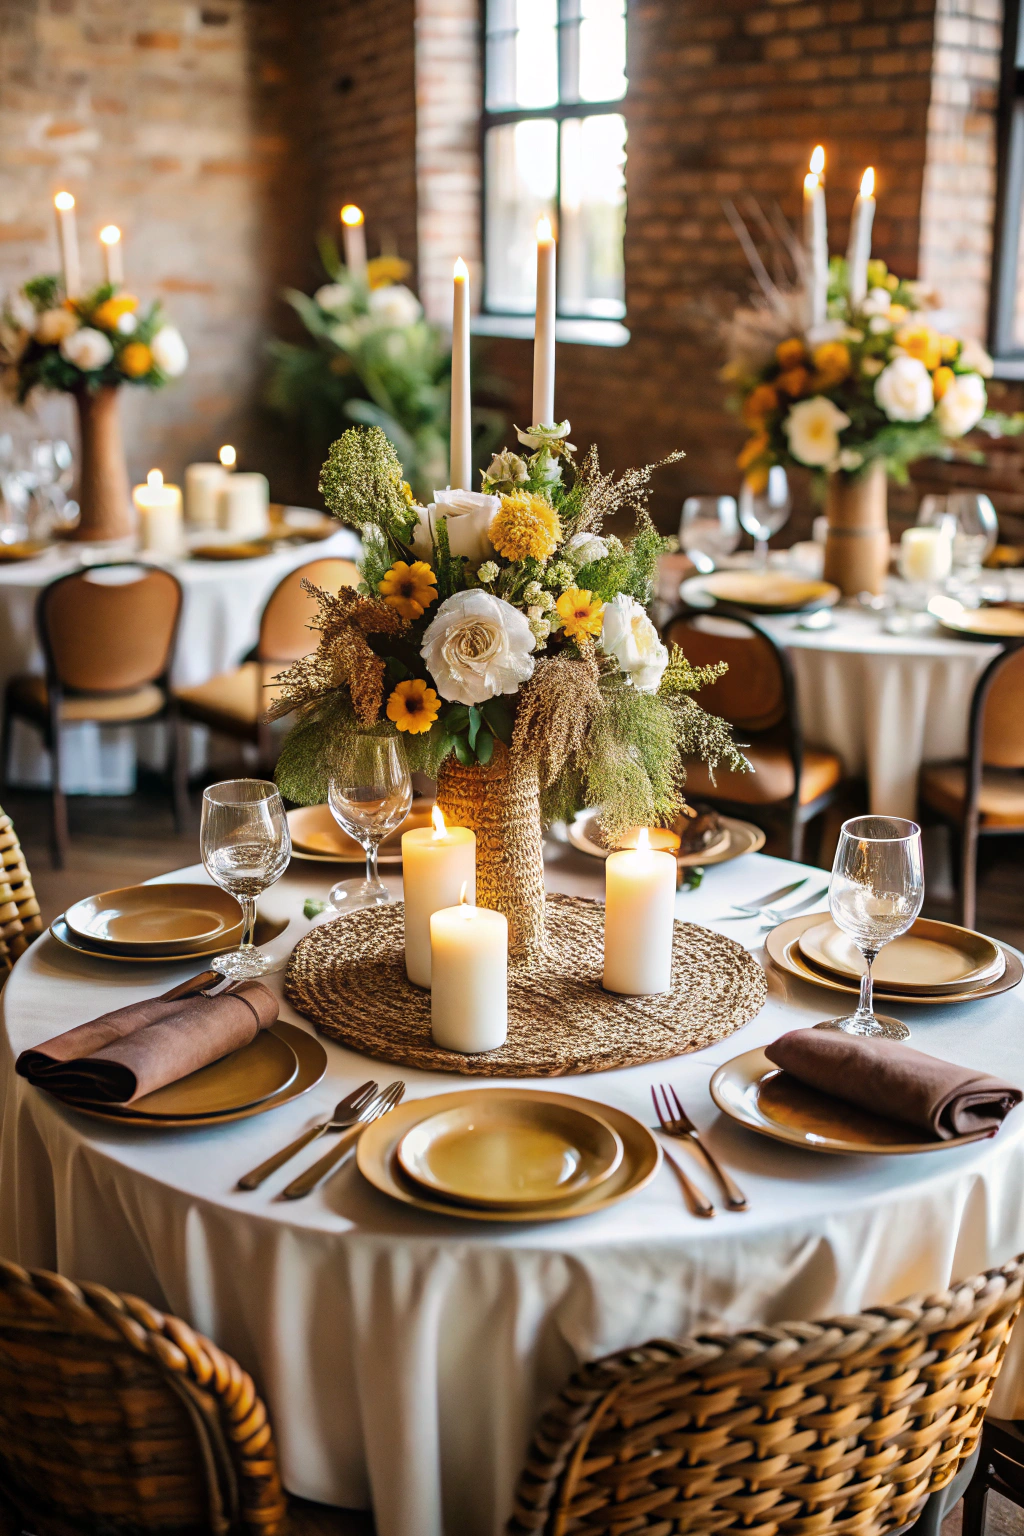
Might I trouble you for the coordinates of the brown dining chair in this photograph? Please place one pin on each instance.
(108, 645)
(848, 1425)
(1000, 1470)
(20, 921)
(792, 782)
(233, 703)
(116, 1418)
(984, 796)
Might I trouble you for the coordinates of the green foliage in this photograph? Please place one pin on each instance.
(45, 292)
(448, 568)
(314, 749)
(361, 482)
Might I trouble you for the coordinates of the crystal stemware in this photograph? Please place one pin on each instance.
(977, 529)
(708, 529)
(246, 847)
(876, 893)
(369, 797)
(763, 513)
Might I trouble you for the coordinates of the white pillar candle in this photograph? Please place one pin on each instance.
(468, 979)
(113, 259)
(858, 252)
(243, 505)
(544, 329)
(639, 912)
(67, 234)
(926, 554)
(461, 458)
(816, 238)
(159, 511)
(438, 863)
(353, 234)
(202, 494)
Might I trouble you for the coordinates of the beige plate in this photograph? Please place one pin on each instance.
(998, 622)
(317, 838)
(754, 1092)
(375, 1154)
(768, 592)
(241, 1080)
(783, 949)
(742, 837)
(311, 1061)
(248, 549)
(157, 919)
(930, 957)
(266, 929)
(507, 1149)
(28, 549)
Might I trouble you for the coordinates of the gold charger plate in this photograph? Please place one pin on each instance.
(998, 622)
(783, 949)
(317, 838)
(311, 1064)
(24, 549)
(157, 919)
(509, 1149)
(741, 837)
(931, 958)
(240, 1080)
(245, 549)
(754, 1092)
(377, 1146)
(266, 929)
(770, 592)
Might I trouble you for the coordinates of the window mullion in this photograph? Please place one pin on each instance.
(569, 50)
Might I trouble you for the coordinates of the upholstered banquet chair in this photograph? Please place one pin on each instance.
(107, 635)
(983, 796)
(20, 921)
(847, 1425)
(791, 782)
(233, 703)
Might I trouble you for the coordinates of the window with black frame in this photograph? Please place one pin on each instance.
(1006, 328)
(554, 143)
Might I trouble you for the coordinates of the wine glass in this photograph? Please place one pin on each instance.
(708, 529)
(369, 797)
(876, 893)
(246, 847)
(763, 513)
(977, 529)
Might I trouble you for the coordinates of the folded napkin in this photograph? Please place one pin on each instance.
(124, 1055)
(895, 1081)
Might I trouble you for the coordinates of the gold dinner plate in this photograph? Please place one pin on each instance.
(157, 919)
(931, 957)
(266, 929)
(998, 622)
(507, 1148)
(240, 1080)
(738, 837)
(25, 549)
(754, 1092)
(245, 549)
(311, 1064)
(317, 838)
(379, 1165)
(770, 592)
(783, 949)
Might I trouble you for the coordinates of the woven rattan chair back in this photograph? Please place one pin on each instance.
(751, 694)
(117, 1419)
(1003, 726)
(20, 921)
(807, 1428)
(285, 634)
(104, 635)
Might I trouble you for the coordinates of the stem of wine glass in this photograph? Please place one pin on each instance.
(372, 877)
(248, 905)
(761, 551)
(865, 1004)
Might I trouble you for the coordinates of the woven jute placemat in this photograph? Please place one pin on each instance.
(349, 978)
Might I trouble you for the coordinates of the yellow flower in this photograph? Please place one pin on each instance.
(949, 346)
(413, 706)
(525, 527)
(406, 490)
(760, 403)
(107, 314)
(897, 312)
(942, 378)
(794, 382)
(922, 342)
(581, 612)
(832, 360)
(752, 449)
(136, 360)
(409, 588)
(382, 271)
(790, 354)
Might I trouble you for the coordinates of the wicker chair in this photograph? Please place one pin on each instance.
(20, 921)
(846, 1426)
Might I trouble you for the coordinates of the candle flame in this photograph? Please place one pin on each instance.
(110, 234)
(228, 456)
(462, 894)
(461, 270)
(155, 479)
(437, 817)
(352, 215)
(818, 159)
(643, 841)
(810, 183)
(544, 234)
(867, 182)
(63, 201)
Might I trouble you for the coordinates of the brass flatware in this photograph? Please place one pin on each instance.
(698, 1202)
(345, 1113)
(379, 1105)
(679, 1124)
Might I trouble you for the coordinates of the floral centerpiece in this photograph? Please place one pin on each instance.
(505, 638)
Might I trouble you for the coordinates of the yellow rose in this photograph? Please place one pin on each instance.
(107, 314)
(922, 342)
(791, 353)
(949, 346)
(760, 403)
(942, 378)
(832, 362)
(136, 360)
(794, 382)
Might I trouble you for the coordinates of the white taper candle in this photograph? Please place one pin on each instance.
(544, 328)
(113, 260)
(67, 233)
(353, 234)
(858, 252)
(460, 476)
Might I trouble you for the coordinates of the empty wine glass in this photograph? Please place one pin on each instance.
(369, 797)
(763, 513)
(708, 529)
(977, 529)
(876, 893)
(931, 511)
(246, 847)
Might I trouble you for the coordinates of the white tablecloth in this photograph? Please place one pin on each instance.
(405, 1358)
(222, 603)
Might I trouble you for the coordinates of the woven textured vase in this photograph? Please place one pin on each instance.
(501, 802)
(857, 544)
(103, 493)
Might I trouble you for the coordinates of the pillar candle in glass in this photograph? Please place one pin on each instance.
(243, 502)
(468, 978)
(67, 234)
(544, 328)
(858, 252)
(113, 259)
(460, 474)
(353, 234)
(639, 912)
(926, 554)
(203, 484)
(160, 520)
(438, 863)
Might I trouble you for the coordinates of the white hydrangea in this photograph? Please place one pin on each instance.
(87, 349)
(487, 573)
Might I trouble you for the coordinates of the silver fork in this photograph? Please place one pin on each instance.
(679, 1124)
(345, 1113)
(698, 1202)
(772, 916)
(385, 1100)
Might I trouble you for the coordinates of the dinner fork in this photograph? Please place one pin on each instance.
(377, 1106)
(345, 1113)
(679, 1124)
(698, 1202)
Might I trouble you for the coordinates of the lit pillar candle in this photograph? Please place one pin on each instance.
(113, 259)
(461, 459)
(544, 329)
(438, 863)
(67, 233)
(640, 900)
(816, 238)
(859, 250)
(353, 233)
(926, 554)
(243, 505)
(228, 458)
(203, 484)
(160, 521)
(468, 978)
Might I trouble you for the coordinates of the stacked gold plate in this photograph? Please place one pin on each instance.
(734, 839)
(769, 591)
(157, 924)
(317, 838)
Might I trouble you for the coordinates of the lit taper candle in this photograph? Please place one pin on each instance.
(353, 233)
(113, 259)
(816, 238)
(544, 328)
(858, 252)
(67, 234)
(460, 476)
(639, 913)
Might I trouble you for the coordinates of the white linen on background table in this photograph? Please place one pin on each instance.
(405, 1358)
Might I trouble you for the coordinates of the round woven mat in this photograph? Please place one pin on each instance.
(349, 978)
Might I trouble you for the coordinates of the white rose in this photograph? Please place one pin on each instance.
(53, 325)
(584, 547)
(87, 349)
(850, 459)
(879, 325)
(467, 515)
(169, 351)
(963, 404)
(396, 305)
(128, 325)
(332, 296)
(974, 356)
(877, 302)
(628, 635)
(813, 427)
(477, 646)
(903, 389)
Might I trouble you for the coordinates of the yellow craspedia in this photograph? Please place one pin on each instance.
(382, 271)
(581, 613)
(525, 527)
(413, 706)
(410, 589)
(107, 314)
(136, 360)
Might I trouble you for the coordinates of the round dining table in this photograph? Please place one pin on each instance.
(405, 1357)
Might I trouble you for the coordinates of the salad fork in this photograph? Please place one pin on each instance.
(679, 1124)
(379, 1105)
(698, 1202)
(345, 1113)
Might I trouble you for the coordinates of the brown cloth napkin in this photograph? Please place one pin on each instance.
(123, 1055)
(895, 1081)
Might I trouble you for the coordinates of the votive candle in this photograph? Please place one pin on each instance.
(468, 979)
(160, 521)
(926, 554)
(639, 913)
(438, 863)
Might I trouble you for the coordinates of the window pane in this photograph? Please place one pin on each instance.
(602, 50)
(522, 54)
(591, 277)
(521, 172)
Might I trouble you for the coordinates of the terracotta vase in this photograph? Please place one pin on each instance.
(103, 494)
(857, 545)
